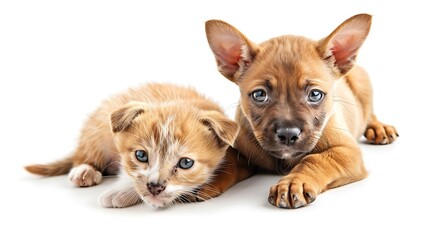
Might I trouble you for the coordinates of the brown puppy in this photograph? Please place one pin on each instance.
(169, 143)
(303, 106)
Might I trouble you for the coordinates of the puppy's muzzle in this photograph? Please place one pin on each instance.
(288, 136)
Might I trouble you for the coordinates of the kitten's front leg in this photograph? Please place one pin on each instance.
(85, 175)
(121, 196)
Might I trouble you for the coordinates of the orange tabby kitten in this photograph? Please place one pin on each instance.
(168, 139)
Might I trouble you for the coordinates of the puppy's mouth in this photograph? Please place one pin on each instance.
(278, 149)
(281, 151)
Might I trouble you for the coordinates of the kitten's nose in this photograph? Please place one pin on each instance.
(288, 136)
(155, 188)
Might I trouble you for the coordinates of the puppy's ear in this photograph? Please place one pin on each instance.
(122, 118)
(233, 51)
(225, 129)
(340, 48)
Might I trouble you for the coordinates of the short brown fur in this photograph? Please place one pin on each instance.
(285, 126)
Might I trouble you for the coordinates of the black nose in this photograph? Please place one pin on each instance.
(288, 136)
(155, 188)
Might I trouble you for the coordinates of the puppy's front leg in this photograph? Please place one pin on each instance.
(234, 169)
(333, 167)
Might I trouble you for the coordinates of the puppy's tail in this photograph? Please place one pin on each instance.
(52, 169)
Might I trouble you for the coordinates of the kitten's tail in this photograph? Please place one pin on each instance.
(52, 169)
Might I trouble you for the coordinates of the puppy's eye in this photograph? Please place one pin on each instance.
(142, 156)
(259, 96)
(185, 163)
(315, 96)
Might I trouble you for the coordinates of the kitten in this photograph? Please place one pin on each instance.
(168, 139)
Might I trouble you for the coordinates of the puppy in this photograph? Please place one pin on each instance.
(303, 105)
(168, 139)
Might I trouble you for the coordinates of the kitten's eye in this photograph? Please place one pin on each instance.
(315, 96)
(259, 96)
(185, 163)
(142, 156)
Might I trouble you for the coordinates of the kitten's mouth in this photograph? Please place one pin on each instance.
(159, 201)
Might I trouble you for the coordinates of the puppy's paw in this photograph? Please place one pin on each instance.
(120, 198)
(85, 175)
(293, 191)
(379, 133)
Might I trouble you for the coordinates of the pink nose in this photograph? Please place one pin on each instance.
(155, 188)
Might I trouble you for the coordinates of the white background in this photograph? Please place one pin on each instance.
(59, 59)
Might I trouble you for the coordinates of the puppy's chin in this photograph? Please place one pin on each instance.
(287, 155)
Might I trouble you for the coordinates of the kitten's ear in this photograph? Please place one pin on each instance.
(225, 129)
(122, 118)
(340, 48)
(233, 51)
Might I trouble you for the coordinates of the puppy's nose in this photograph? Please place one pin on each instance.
(155, 188)
(288, 136)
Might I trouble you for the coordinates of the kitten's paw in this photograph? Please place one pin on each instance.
(84, 175)
(292, 191)
(379, 133)
(120, 198)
